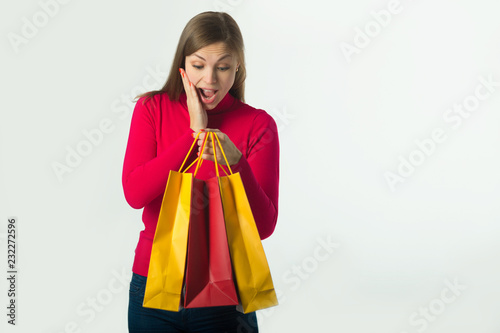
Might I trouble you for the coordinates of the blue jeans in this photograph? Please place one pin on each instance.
(221, 319)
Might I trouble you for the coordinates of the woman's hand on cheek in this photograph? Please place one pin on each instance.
(197, 114)
(233, 154)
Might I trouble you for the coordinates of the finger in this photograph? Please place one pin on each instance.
(202, 137)
(188, 85)
(208, 145)
(207, 157)
(210, 157)
(200, 150)
(184, 79)
(213, 143)
(220, 141)
(221, 136)
(209, 153)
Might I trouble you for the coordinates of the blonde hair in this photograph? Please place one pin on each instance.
(202, 30)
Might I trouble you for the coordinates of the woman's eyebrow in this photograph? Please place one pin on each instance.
(223, 57)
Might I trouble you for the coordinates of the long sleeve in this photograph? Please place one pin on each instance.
(259, 172)
(144, 173)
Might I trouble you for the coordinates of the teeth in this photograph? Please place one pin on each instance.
(208, 93)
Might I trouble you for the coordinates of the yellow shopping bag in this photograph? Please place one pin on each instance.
(168, 254)
(251, 270)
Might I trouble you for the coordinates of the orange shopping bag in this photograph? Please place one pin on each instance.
(251, 269)
(168, 254)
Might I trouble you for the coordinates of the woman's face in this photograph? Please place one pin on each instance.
(212, 70)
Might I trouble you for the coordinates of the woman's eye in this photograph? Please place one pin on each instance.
(222, 69)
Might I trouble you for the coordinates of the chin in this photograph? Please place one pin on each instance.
(211, 105)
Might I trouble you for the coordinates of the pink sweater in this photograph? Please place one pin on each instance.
(160, 138)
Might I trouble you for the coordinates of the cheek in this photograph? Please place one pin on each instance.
(190, 75)
(228, 82)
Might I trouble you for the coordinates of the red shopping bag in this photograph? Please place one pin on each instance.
(209, 277)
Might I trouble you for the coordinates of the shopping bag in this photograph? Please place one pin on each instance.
(253, 277)
(209, 277)
(168, 254)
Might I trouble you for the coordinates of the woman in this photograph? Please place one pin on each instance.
(203, 93)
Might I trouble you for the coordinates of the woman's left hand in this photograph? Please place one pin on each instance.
(233, 154)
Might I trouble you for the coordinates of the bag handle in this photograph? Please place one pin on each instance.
(189, 153)
(223, 154)
(199, 160)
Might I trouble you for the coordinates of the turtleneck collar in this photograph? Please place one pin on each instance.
(224, 105)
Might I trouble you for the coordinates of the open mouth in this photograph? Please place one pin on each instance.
(207, 95)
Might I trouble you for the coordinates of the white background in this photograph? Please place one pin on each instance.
(345, 121)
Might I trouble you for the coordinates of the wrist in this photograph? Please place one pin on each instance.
(196, 127)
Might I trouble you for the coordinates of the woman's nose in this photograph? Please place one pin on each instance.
(210, 76)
